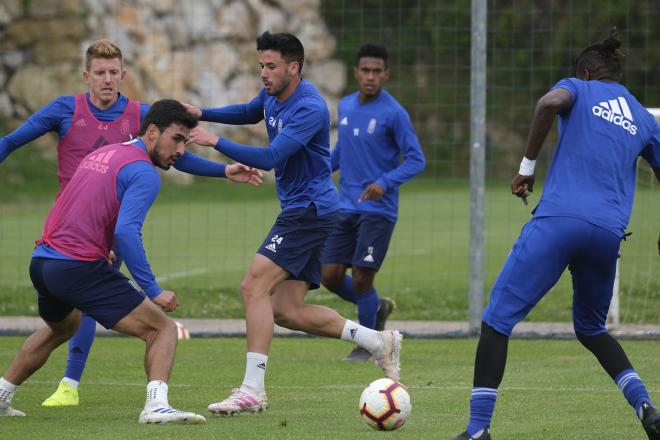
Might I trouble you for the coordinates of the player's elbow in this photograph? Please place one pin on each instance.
(554, 101)
(125, 235)
(421, 164)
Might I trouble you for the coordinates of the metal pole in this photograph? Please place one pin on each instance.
(477, 160)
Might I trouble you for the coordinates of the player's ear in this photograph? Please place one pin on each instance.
(294, 67)
(153, 131)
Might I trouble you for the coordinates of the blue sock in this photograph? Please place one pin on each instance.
(346, 290)
(79, 347)
(633, 389)
(482, 406)
(368, 308)
(367, 302)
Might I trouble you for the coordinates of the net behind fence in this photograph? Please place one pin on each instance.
(200, 237)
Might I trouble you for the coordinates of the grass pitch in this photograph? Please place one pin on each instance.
(551, 390)
(201, 239)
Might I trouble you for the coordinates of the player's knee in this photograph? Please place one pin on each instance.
(249, 292)
(362, 283)
(286, 318)
(164, 327)
(331, 281)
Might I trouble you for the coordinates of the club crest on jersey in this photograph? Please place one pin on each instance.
(125, 127)
(617, 112)
(372, 126)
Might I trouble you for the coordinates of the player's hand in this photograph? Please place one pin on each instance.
(112, 257)
(201, 136)
(237, 172)
(372, 192)
(167, 300)
(195, 111)
(522, 186)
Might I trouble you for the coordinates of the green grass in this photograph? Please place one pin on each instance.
(203, 237)
(552, 389)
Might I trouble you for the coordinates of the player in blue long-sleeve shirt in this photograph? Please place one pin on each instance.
(84, 123)
(288, 262)
(375, 133)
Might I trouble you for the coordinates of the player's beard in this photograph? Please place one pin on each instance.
(286, 80)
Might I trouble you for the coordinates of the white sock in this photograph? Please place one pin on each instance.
(156, 395)
(7, 390)
(362, 336)
(72, 383)
(255, 372)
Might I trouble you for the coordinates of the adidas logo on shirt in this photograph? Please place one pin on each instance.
(344, 121)
(617, 112)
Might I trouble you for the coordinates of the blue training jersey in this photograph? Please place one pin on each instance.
(373, 138)
(592, 175)
(299, 132)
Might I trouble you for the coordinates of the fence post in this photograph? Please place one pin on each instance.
(477, 160)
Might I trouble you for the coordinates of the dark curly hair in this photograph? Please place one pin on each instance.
(602, 60)
(288, 45)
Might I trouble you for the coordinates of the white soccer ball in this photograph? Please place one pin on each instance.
(385, 404)
(181, 331)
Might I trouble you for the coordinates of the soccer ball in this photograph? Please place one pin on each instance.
(385, 404)
(181, 331)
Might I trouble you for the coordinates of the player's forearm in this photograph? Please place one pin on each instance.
(413, 164)
(260, 157)
(129, 242)
(24, 134)
(553, 102)
(334, 158)
(193, 164)
(239, 114)
(544, 117)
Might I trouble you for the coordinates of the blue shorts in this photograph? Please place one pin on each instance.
(359, 240)
(546, 246)
(296, 241)
(93, 287)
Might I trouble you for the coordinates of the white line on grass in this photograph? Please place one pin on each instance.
(612, 389)
(182, 274)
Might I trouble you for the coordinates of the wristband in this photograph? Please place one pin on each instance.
(527, 167)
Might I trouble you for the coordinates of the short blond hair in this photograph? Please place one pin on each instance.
(103, 48)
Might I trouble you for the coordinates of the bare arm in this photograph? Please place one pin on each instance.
(555, 101)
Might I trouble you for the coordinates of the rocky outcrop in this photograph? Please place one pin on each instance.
(202, 52)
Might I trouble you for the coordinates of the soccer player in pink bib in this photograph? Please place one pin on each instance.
(106, 203)
(84, 123)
